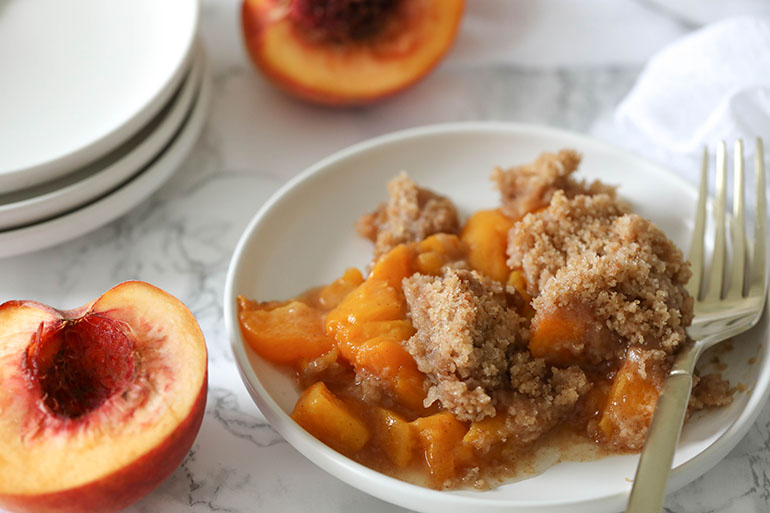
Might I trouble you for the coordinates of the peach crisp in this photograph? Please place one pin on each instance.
(469, 345)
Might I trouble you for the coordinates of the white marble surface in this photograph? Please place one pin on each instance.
(559, 63)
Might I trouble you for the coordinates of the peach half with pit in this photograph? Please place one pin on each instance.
(348, 52)
(98, 404)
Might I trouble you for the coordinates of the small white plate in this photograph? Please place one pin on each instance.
(80, 78)
(120, 201)
(54, 198)
(304, 236)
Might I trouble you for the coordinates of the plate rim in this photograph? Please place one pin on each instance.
(82, 220)
(123, 165)
(42, 171)
(324, 457)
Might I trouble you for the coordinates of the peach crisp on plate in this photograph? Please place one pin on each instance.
(553, 316)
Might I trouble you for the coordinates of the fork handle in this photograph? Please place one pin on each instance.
(649, 488)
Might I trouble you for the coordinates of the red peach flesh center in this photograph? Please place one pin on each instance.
(78, 364)
(341, 20)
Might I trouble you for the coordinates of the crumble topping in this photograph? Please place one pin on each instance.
(529, 187)
(589, 253)
(411, 214)
(464, 333)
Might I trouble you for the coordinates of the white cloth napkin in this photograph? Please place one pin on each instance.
(700, 12)
(711, 85)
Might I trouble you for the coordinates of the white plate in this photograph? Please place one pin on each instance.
(120, 201)
(304, 236)
(54, 198)
(81, 77)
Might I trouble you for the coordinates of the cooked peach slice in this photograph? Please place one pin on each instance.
(557, 337)
(449, 246)
(383, 357)
(99, 404)
(373, 301)
(398, 329)
(387, 359)
(327, 418)
(436, 251)
(631, 402)
(490, 428)
(395, 436)
(286, 334)
(429, 262)
(409, 386)
(486, 234)
(563, 335)
(338, 52)
(441, 436)
(518, 282)
(394, 266)
(370, 324)
(333, 294)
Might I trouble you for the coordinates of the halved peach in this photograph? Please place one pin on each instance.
(99, 404)
(338, 52)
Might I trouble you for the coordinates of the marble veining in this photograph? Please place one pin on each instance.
(182, 237)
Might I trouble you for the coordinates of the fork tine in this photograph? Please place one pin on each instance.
(737, 229)
(758, 265)
(716, 275)
(699, 231)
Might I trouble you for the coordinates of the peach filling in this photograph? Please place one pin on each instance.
(541, 330)
(78, 364)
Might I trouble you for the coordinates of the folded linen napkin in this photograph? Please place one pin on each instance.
(711, 85)
(700, 12)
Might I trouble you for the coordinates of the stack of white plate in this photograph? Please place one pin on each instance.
(100, 102)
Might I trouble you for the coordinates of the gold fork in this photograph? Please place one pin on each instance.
(722, 310)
